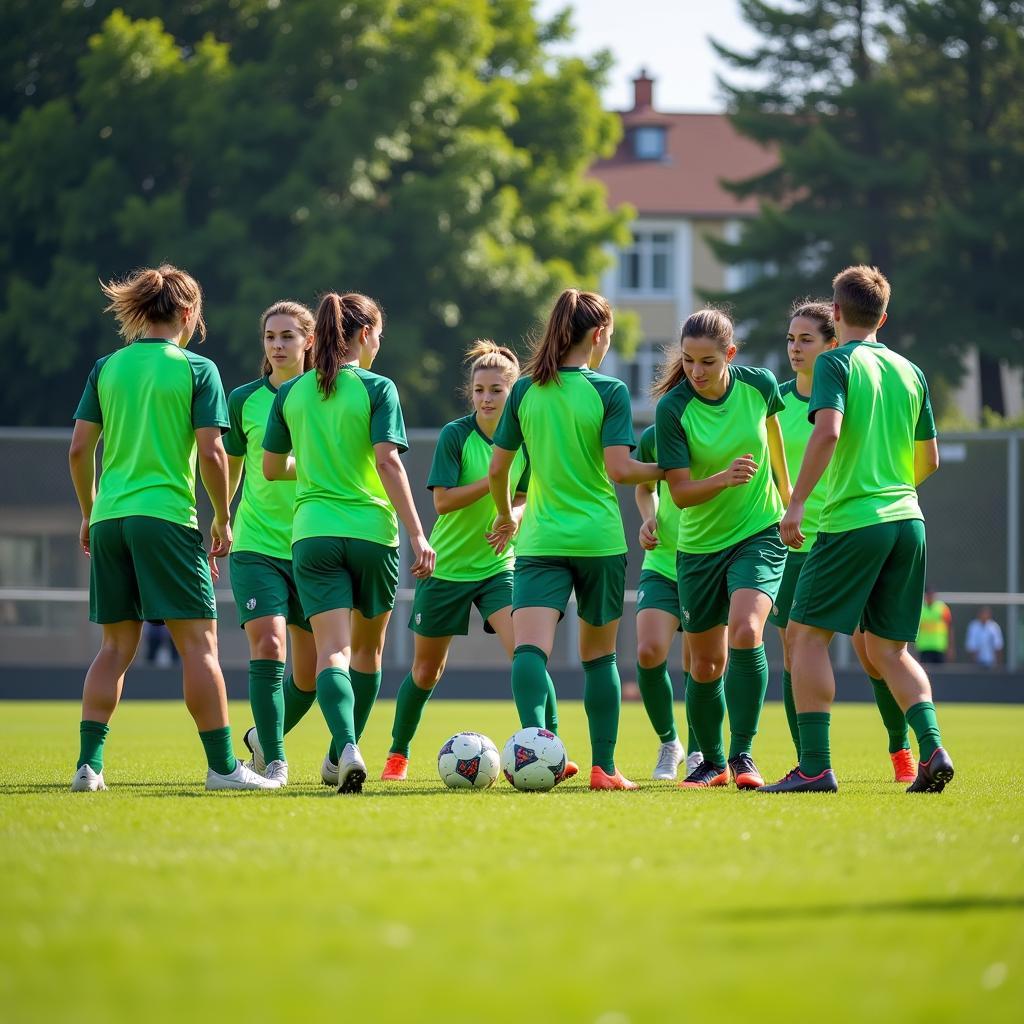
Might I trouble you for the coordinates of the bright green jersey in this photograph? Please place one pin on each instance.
(338, 493)
(663, 558)
(263, 522)
(706, 436)
(886, 408)
(463, 456)
(565, 426)
(796, 432)
(150, 397)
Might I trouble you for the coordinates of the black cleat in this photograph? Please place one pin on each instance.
(744, 772)
(933, 774)
(706, 775)
(797, 782)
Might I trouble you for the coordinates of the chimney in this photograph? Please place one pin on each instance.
(643, 91)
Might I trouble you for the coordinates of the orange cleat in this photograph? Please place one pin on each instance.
(600, 779)
(903, 765)
(704, 776)
(571, 768)
(396, 768)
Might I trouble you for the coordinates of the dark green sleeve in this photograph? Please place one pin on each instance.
(278, 438)
(386, 421)
(831, 378)
(235, 441)
(209, 406)
(925, 430)
(648, 445)
(670, 437)
(446, 466)
(617, 427)
(772, 394)
(509, 434)
(89, 405)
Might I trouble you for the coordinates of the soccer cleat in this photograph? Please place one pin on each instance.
(277, 770)
(600, 779)
(796, 782)
(329, 771)
(694, 761)
(571, 768)
(85, 780)
(351, 770)
(903, 765)
(669, 756)
(252, 741)
(396, 768)
(744, 772)
(240, 778)
(933, 774)
(706, 775)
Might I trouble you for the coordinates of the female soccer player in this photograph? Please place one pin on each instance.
(468, 570)
(345, 427)
(719, 444)
(811, 332)
(658, 619)
(577, 427)
(155, 404)
(261, 556)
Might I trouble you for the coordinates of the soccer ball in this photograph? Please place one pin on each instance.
(533, 760)
(468, 760)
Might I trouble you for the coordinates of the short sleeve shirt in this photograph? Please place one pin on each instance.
(661, 559)
(338, 490)
(796, 432)
(150, 397)
(705, 436)
(565, 425)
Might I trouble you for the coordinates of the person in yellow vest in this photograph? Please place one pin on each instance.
(935, 638)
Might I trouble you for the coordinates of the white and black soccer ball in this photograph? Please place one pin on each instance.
(533, 760)
(469, 760)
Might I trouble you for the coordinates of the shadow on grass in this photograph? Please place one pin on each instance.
(818, 912)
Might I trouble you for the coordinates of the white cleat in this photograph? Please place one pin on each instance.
(351, 770)
(693, 762)
(87, 781)
(277, 771)
(252, 741)
(329, 772)
(669, 756)
(240, 778)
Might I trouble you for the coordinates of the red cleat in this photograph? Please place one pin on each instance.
(903, 765)
(600, 779)
(396, 768)
(704, 776)
(571, 768)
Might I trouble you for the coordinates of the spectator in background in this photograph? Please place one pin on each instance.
(985, 639)
(935, 642)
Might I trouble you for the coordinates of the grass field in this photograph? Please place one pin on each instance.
(155, 901)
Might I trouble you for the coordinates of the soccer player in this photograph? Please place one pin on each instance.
(719, 443)
(345, 427)
(658, 619)
(874, 443)
(155, 404)
(261, 555)
(468, 571)
(577, 427)
(811, 332)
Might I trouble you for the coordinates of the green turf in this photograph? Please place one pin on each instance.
(155, 901)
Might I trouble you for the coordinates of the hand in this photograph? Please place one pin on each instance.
(214, 568)
(741, 471)
(220, 538)
(424, 558)
(503, 529)
(789, 528)
(649, 534)
(83, 535)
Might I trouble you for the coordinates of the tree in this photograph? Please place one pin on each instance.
(431, 155)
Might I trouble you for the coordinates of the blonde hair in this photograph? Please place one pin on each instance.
(302, 315)
(712, 323)
(575, 314)
(153, 295)
(485, 354)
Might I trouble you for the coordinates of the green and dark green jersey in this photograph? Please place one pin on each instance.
(338, 492)
(263, 522)
(150, 397)
(706, 436)
(796, 432)
(886, 408)
(463, 456)
(565, 427)
(663, 558)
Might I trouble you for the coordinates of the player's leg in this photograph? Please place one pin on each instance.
(268, 639)
(787, 690)
(368, 635)
(655, 631)
(694, 757)
(705, 704)
(779, 617)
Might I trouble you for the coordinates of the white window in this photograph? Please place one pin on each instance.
(646, 266)
(649, 142)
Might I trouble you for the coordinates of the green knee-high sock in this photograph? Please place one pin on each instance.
(337, 702)
(705, 709)
(266, 683)
(219, 755)
(92, 736)
(602, 695)
(923, 721)
(893, 719)
(551, 708)
(815, 755)
(692, 743)
(296, 703)
(408, 711)
(365, 686)
(746, 680)
(530, 685)
(656, 693)
(790, 706)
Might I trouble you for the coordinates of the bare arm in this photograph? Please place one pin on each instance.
(777, 457)
(622, 468)
(236, 463)
(396, 486)
(926, 459)
(214, 471)
(451, 499)
(497, 480)
(687, 492)
(82, 463)
(278, 467)
(818, 454)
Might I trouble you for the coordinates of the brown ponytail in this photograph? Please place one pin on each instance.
(155, 295)
(575, 314)
(302, 315)
(484, 354)
(712, 323)
(338, 319)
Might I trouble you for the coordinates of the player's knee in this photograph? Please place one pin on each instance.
(704, 668)
(650, 654)
(744, 634)
(268, 647)
(426, 672)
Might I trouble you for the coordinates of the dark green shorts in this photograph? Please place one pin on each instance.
(343, 572)
(784, 602)
(264, 585)
(146, 568)
(871, 577)
(441, 607)
(657, 591)
(546, 581)
(707, 582)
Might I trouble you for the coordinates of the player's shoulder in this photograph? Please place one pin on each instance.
(240, 395)
(649, 435)
(675, 400)
(787, 387)
(602, 382)
(756, 376)
(456, 431)
(200, 364)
